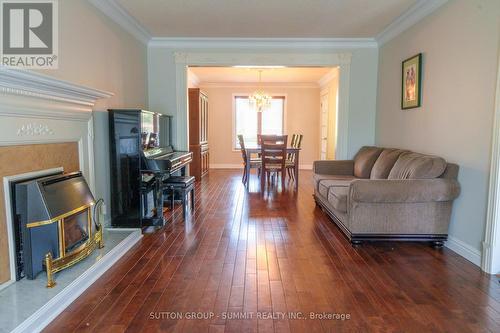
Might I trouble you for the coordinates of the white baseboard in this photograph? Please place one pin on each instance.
(43, 316)
(464, 249)
(240, 166)
(226, 166)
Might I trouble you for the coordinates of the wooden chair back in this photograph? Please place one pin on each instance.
(296, 142)
(273, 149)
(242, 148)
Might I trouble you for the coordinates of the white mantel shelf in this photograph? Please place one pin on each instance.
(33, 84)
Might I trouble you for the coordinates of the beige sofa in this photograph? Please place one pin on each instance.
(388, 194)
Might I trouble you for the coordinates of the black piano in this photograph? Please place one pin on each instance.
(142, 158)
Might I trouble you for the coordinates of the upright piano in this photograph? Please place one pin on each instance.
(142, 158)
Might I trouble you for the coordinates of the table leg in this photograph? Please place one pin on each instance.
(296, 170)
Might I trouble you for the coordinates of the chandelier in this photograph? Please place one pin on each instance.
(260, 100)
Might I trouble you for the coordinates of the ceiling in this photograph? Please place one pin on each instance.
(251, 75)
(266, 18)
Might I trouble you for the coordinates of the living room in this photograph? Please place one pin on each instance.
(250, 246)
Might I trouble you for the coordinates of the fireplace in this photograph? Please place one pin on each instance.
(57, 227)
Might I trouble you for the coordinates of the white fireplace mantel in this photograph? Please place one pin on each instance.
(39, 109)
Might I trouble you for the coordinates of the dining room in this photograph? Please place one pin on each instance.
(294, 107)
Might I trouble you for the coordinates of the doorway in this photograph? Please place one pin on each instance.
(341, 60)
(293, 108)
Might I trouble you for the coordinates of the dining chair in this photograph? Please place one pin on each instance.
(290, 160)
(254, 162)
(273, 149)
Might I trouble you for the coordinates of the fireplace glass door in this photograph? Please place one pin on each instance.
(76, 230)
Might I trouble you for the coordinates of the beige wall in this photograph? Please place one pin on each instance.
(96, 52)
(302, 116)
(460, 46)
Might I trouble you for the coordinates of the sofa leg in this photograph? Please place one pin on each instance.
(437, 244)
(356, 242)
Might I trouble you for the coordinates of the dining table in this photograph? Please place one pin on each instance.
(256, 149)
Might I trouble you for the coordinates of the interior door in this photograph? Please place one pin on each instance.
(324, 126)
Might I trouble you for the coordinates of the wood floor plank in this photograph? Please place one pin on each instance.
(244, 261)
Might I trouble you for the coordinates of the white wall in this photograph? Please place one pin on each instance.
(363, 83)
(95, 52)
(302, 117)
(460, 44)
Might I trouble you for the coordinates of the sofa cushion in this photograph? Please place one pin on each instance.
(364, 161)
(317, 177)
(417, 166)
(384, 163)
(324, 185)
(337, 197)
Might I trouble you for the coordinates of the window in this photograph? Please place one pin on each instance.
(249, 122)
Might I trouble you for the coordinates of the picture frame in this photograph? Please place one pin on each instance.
(411, 82)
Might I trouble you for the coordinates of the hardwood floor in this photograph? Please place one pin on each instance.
(242, 253)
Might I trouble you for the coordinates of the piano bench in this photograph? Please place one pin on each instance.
(183, 185)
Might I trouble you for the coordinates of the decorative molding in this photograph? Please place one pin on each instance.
(262, 43)
(410, 17)
(491, 245)
(31, 84)
(295, 85)
(116, 12)
(328, 77)
(463, 249)
(34, 129)
(318, 59)
(41, 318)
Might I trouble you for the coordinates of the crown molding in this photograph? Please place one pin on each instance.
(31, 84)
(409, 18)
(263, 85)
(228, 58)
(123, 18)
(120, 16)
(260, 43)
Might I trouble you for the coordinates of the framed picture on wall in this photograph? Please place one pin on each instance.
(411, 86)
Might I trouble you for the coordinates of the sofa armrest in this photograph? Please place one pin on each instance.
(340, 168)
(403, 191)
